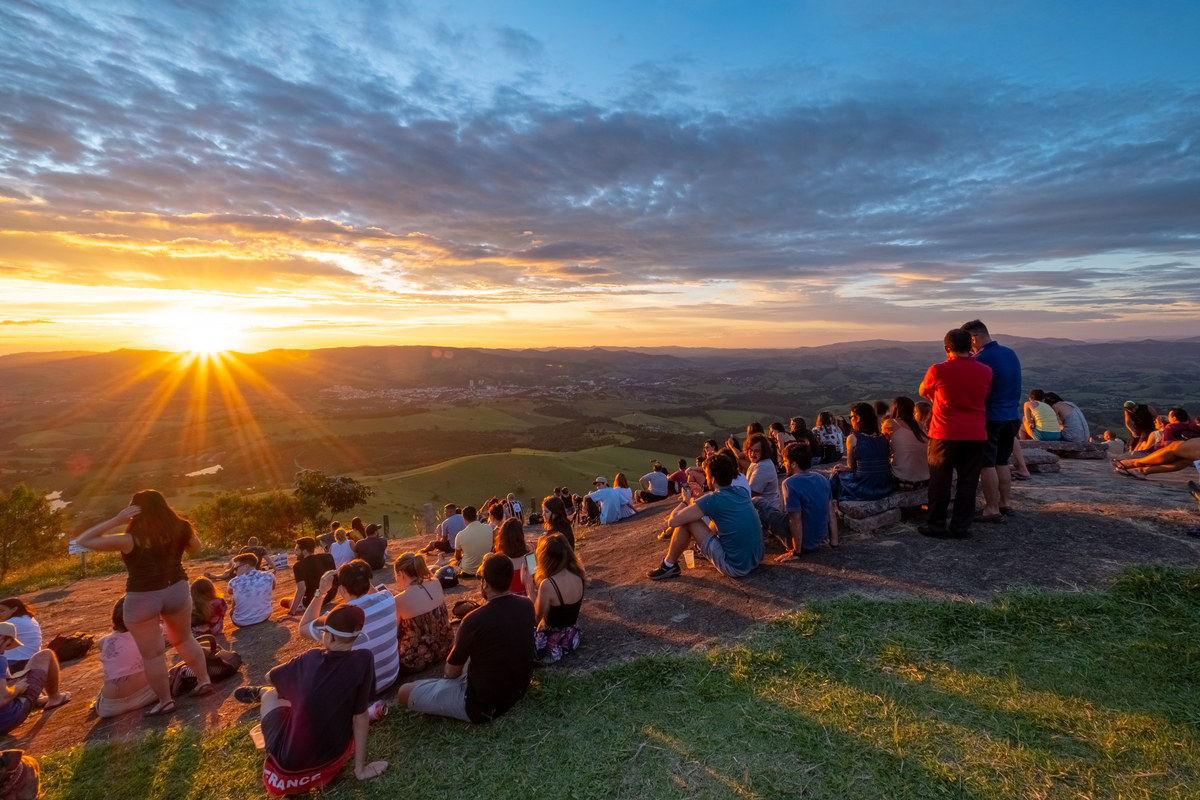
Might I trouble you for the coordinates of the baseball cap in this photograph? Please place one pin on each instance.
(345, 621)
(10, 630)
(600, 481)
(1130, 404)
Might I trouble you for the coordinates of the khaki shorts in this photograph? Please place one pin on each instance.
(107, 707)
(445, 697)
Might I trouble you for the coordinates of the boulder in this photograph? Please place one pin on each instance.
(889, 517)
(1034, 456)
(865, 509)
(1093, 450)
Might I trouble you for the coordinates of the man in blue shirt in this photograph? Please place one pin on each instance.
(733, 542)
(808, 518)
(447, 531)
(1003, 407)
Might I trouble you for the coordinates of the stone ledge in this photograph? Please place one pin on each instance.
(889, 517)
(1094, 450)
(865, 509)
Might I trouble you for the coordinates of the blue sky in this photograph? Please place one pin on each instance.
(523, 173)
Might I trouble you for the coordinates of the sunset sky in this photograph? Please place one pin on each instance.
(213, 174)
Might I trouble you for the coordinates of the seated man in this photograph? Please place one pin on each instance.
(326, 539)
(314, 713)
(679, 478)
(472, 543)
(1173, 457)
(733, 541)
(19, 696)
(250, 592)
(491, 665)
(379, 608)
(252, 546)
(655, 486)
(513, 509)
(1179, 427)
(308, 569)
(809, 515)
(452, 523)
(608, 500)
(372, 549)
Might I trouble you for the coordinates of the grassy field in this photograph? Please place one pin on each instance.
(473, 479)
(57, 571)
(1034, 695)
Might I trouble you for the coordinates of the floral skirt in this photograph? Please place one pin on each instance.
(554, 643)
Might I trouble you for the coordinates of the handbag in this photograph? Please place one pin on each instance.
(69, 648)
(220, 664)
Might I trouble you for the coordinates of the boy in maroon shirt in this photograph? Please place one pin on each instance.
(957, 387)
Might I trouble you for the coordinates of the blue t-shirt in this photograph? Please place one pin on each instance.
(738, 526)
(451, 528)
(809, 494)
(15, 712)
(1003, 401)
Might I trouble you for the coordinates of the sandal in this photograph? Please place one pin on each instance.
(160, 709)
(203, 690)
(1130, 473)
(63, 699)
(1019, 477)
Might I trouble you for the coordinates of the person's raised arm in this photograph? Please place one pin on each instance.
(97, 538)
(362, 770)
(314, 608)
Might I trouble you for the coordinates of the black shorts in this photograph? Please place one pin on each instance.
(1000, 441)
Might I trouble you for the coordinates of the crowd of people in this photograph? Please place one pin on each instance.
(961, 431)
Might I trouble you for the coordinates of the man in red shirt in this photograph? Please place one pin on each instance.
(958, 388)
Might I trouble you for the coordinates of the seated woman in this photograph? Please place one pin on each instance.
(1074, 424)
(829, 437)
(910, 462)
(342, 548)
(424, 633)
(208, 609)
(1172, 457)
(29, 631)
(560, 580)
(125, 686)
(1154, 442)
(1040, 422)
(868, 471)
(622, 485)
(510, 541)
(923, 412)
(1139, 420)
(555, 519)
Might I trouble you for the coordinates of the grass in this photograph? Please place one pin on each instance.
(57, 571)
(1033, 695)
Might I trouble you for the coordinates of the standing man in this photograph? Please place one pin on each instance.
(1003, 406)
(958, 388)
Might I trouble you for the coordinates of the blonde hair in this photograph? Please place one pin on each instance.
(414, 567)
(340, 535)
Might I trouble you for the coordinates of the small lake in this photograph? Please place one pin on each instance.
(209, 471)
(56, 501)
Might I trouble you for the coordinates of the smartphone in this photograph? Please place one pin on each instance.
(531, 563)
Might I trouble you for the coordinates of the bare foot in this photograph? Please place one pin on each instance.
(48, 703)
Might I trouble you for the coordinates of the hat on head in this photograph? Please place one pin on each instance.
(1130, 404)
(346, 621)
(600, 481)
(10, 630)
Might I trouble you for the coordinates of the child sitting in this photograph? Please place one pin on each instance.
(208, 609)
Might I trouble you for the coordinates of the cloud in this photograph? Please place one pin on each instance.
(25, 322)
(518, 44)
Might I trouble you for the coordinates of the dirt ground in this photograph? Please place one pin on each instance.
(1073, 530)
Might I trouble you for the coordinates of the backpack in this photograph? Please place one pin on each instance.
(221, 664)
(69, 648)
(447, 577)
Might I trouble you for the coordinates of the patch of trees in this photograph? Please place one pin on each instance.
(29, 529)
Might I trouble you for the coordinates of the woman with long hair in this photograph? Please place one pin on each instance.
(830, 437)
(342, 548)
(29, 632)
(357, 531)
(910, 459)
(867, 474)
(556, 518)
(622, 485)
(560, 578)
(156, 591)
(510, 541)
(208, 608)
(424, 633)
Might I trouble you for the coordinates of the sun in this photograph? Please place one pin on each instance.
(202, 333)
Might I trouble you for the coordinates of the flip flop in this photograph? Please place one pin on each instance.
(1019, 477)
(64, 698)
(160, 710)
(1130, 473)
(203, 690)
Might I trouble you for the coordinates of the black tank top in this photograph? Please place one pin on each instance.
(152, 569)
(563, 615)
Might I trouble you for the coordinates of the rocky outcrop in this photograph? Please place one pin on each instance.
(1068, 449)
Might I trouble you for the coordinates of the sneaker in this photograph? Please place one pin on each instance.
(663, 572)
(1194, 488)
(247, 694)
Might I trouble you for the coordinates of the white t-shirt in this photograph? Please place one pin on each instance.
(627, 509)
(610, 500)
(251, 597)
(742, 481)
(30, 634)
(119, 656)
(342, 552)
(764, 480)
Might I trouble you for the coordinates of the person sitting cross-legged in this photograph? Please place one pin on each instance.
(252, 546)
(447, 530)
(733, 541)
(19, 696)
(314, 713)
(491, 666)
(379, 632)
(809, 515)
(250, 592)
(308, 569)
(473, 543)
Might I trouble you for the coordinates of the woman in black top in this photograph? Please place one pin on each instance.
(556, 519)
(560, 579)
(152, 547)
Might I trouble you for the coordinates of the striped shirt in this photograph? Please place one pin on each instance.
(380, 629)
